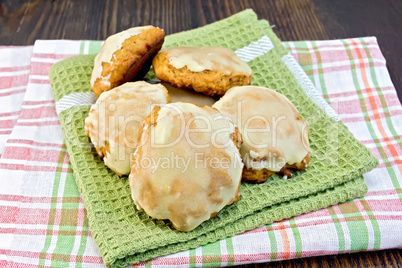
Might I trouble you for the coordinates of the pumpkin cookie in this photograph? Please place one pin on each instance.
(275, 136)
(187, 165)
(125, 56)
(114, 120)
(210, 70)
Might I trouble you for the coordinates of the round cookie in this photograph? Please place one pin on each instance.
(187, 165)
(114, 120)
(210, 70)
(275, 136)
(125, 56)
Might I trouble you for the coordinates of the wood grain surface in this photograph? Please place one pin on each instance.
(22, 22)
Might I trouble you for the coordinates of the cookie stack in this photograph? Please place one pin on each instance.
(185, 162)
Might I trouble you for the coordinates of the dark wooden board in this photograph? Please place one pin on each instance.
(22, 22)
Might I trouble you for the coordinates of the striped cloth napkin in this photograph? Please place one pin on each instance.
(43, 221)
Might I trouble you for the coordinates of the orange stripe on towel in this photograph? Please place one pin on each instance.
(374, 104)
(285, 240)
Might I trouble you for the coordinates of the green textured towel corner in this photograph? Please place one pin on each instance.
(125, 235)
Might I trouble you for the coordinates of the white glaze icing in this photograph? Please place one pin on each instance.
(272, 133)
(179, 187)
(116, 118)
(109, 47)
(198, 59)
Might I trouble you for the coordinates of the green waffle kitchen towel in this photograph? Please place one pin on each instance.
(125, 235)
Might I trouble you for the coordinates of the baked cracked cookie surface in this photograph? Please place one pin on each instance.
(210, 70)
(275, 137)
(114, 120)
(125, 56)
(187, 165)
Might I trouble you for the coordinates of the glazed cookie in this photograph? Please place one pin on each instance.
(125, 56)
(275, 136)
(187, 164)
(114, 120)
(210, 70)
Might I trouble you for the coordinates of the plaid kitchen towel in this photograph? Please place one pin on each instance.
(43, 220)
(125, 235)
(14, 70)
